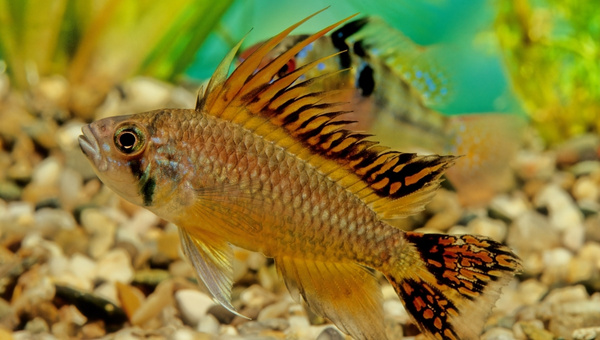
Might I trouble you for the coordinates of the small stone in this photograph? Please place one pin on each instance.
(92, 305)
(564, 295)
(184, 333)
(256, 260)
(70, 184)
(256, 296)
(8, 317)
(93, 330)
(588, 333)
(574, 236)
(577, 149)
(534, 329)
(154, 303)
(510, 207)
(130, 297)
(563, 212)
(268, 278)
(498, 333)
(222, 314)
(5, 334)
(50, 221)
(529, 233)
(208, 324)
(330, 333)
(394, 309)
(446, 210)
(585, 168)
(115, 266)
(146, 93)
(534, 165)
(9, 191)
(531, 291)
(37, 325)
(193, 305)
(557, 263)
(585, 188)
(101, 229)
(488, 227)
(276, 310)
(592, 228)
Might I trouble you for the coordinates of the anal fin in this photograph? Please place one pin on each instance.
(211, 257)
(346, 293)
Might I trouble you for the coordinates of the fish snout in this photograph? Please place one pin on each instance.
(90, 147)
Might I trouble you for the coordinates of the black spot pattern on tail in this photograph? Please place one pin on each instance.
(465, 263)
(430, 308)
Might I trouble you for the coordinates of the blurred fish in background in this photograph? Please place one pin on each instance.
(449, 95)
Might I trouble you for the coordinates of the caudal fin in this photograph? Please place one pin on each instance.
(449, 283)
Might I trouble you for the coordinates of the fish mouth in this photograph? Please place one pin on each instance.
(89, 145)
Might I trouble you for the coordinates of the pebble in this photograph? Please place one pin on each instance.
(330, 333)
(50, 221)
(146, 93)
(101, 229)
(498, 333)
(532, 329)
(256, 296)
(557, 264)
(530, 233)
(275, 310)
(494, 229)
(446, 210)
(585, 188)
(114, 266)
(563, 212)
(535, 165)
(193, 305)
(153, 305)
(208, 324)
(510, 206)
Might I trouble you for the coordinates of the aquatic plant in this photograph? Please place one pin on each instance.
(552, 52)
(96, 44)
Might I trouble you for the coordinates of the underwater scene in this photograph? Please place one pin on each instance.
(263, 169)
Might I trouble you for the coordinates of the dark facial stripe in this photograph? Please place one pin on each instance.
(136, 168)
(147, 191)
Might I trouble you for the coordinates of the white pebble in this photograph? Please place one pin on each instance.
(208, 324)
(193, 305)
(115, 266)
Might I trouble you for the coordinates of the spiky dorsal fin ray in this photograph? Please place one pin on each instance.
(290, 114)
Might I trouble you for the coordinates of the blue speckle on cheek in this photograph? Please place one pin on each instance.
(321, 66)
(105, 147)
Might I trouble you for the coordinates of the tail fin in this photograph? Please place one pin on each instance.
(449, 283)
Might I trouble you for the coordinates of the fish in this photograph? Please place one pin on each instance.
(396, 85)
(263, 163)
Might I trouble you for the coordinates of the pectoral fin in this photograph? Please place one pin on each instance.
(212, 259)
(346, 293)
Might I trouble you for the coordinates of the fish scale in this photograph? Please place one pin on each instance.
(263, 164)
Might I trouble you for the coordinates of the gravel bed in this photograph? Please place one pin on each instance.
(78, 262)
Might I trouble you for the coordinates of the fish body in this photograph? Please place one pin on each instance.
(394, 85)
(265, 163)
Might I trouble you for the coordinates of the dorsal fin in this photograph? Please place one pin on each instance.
(392, 183)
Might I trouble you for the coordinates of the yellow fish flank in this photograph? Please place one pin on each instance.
(262, 163)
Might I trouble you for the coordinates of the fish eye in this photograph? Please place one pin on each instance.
(129, 140)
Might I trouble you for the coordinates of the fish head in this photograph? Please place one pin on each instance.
(117, 148)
